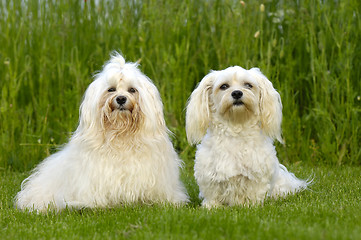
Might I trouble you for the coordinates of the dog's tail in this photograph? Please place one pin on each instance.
(285, 183)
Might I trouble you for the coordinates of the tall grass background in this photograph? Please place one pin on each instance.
(310, 50)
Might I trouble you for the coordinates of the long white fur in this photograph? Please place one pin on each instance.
(236, 161)
(114, 157)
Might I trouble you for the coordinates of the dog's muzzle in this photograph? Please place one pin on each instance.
(121, 100)
(237, 95)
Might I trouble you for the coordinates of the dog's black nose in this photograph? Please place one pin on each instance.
(237, 94)
(121, 100)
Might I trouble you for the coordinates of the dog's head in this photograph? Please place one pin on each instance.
(235, 96)
(121, 100)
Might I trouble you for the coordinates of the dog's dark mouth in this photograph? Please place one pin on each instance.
(122, 109)
(238, 103)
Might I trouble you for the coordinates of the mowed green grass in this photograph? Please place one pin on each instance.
(329, 210)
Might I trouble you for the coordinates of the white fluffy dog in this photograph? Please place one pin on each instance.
(120, 153)
(236, 114)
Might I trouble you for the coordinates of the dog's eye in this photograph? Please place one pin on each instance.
(224, 86)
(248, 85)
(111, 89)
(132, 90)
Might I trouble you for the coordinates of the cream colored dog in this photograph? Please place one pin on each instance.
(120, 152)
(236, 114)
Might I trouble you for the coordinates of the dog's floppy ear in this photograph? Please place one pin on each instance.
(88, 112)
(270, 106)
(152, 106)
(198, 111)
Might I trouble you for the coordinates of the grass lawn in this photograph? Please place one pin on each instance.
(330, 210)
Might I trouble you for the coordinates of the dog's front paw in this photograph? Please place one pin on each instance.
(211, 204)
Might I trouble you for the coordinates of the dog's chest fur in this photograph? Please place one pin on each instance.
(221, 156)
